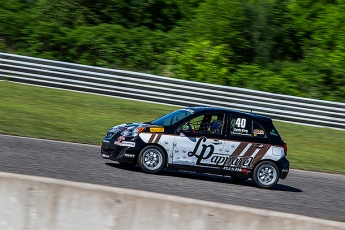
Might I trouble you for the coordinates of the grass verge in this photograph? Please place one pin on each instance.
(77, 117)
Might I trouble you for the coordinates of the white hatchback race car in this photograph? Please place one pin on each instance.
(203, 139)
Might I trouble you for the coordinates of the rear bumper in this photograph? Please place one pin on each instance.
(284, 166)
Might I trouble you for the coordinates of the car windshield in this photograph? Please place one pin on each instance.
(173, 117)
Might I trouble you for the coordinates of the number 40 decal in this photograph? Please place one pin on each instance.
(241, 122)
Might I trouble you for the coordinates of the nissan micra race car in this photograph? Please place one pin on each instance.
(202, 139)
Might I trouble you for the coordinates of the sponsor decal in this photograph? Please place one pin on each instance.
(240, 131)
(238, 127)
(182, 135)
(233, 169)
(259, 132)
(231, 160)
(119, 140)
(129, 144)
(238, 161)
(201, 156)
(157, 130)
(129, 155)
(285, 170)
(242, 157)
(273, 132)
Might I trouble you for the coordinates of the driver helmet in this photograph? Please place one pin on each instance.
(215, 125)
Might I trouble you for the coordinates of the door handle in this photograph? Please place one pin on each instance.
(216, 142)
(258, 146)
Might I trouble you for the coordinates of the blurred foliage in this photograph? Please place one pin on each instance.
(289, 47)
(200, 61)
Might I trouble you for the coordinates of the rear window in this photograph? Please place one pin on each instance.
(274, 132)
(258, 130)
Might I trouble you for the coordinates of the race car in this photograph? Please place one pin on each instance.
(202, 139)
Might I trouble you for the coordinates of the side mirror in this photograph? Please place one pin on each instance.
(185, 128)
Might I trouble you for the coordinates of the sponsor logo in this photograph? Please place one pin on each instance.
(273, 132)
(205, 156)
(129, 144)
(201, 156)
(285, 170)
(119, 140)
(157, 130)
(240, 131)
(259, 131)
(105, 156)
(231, 160)
(238, 161)
(129, 155)
(233, 169)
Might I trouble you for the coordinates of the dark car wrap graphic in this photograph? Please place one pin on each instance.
(238, 154)
(155, 138)
(234, 143)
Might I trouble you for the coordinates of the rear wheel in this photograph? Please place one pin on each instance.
(151, 159)
(266, 174)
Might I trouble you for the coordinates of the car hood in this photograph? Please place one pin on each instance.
(126, 129)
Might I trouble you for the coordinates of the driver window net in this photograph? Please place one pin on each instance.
(207, 124)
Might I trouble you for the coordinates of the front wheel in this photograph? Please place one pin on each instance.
(151, 159)
(266, 174)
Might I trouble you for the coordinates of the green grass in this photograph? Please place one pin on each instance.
(77, 117)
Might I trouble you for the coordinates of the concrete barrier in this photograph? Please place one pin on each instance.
(35, 203)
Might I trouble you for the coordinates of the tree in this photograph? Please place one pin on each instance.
(200, 61)
(16, 17)
(222, 22)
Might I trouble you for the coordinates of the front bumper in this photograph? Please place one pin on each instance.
(114, 152)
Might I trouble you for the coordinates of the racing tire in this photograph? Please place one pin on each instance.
(266, 174)
(151, 159)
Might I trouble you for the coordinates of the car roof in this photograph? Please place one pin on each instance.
(220, 109)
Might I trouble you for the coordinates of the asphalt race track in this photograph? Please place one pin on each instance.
(312, 194)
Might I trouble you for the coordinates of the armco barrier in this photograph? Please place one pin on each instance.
(37, 203)
(171, 91)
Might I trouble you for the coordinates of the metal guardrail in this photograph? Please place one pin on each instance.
(152, 88)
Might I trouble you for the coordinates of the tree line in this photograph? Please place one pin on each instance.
(280, 46)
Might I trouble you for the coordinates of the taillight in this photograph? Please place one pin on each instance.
(285, 149)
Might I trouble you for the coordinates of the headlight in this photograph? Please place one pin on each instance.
(125, 133)
(132, 132)
(135, 132)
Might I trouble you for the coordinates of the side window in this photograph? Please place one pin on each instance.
(205, 123)
(167, 121)
(246, 127)
(174, 119)
(240, 126)
(258, 130)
